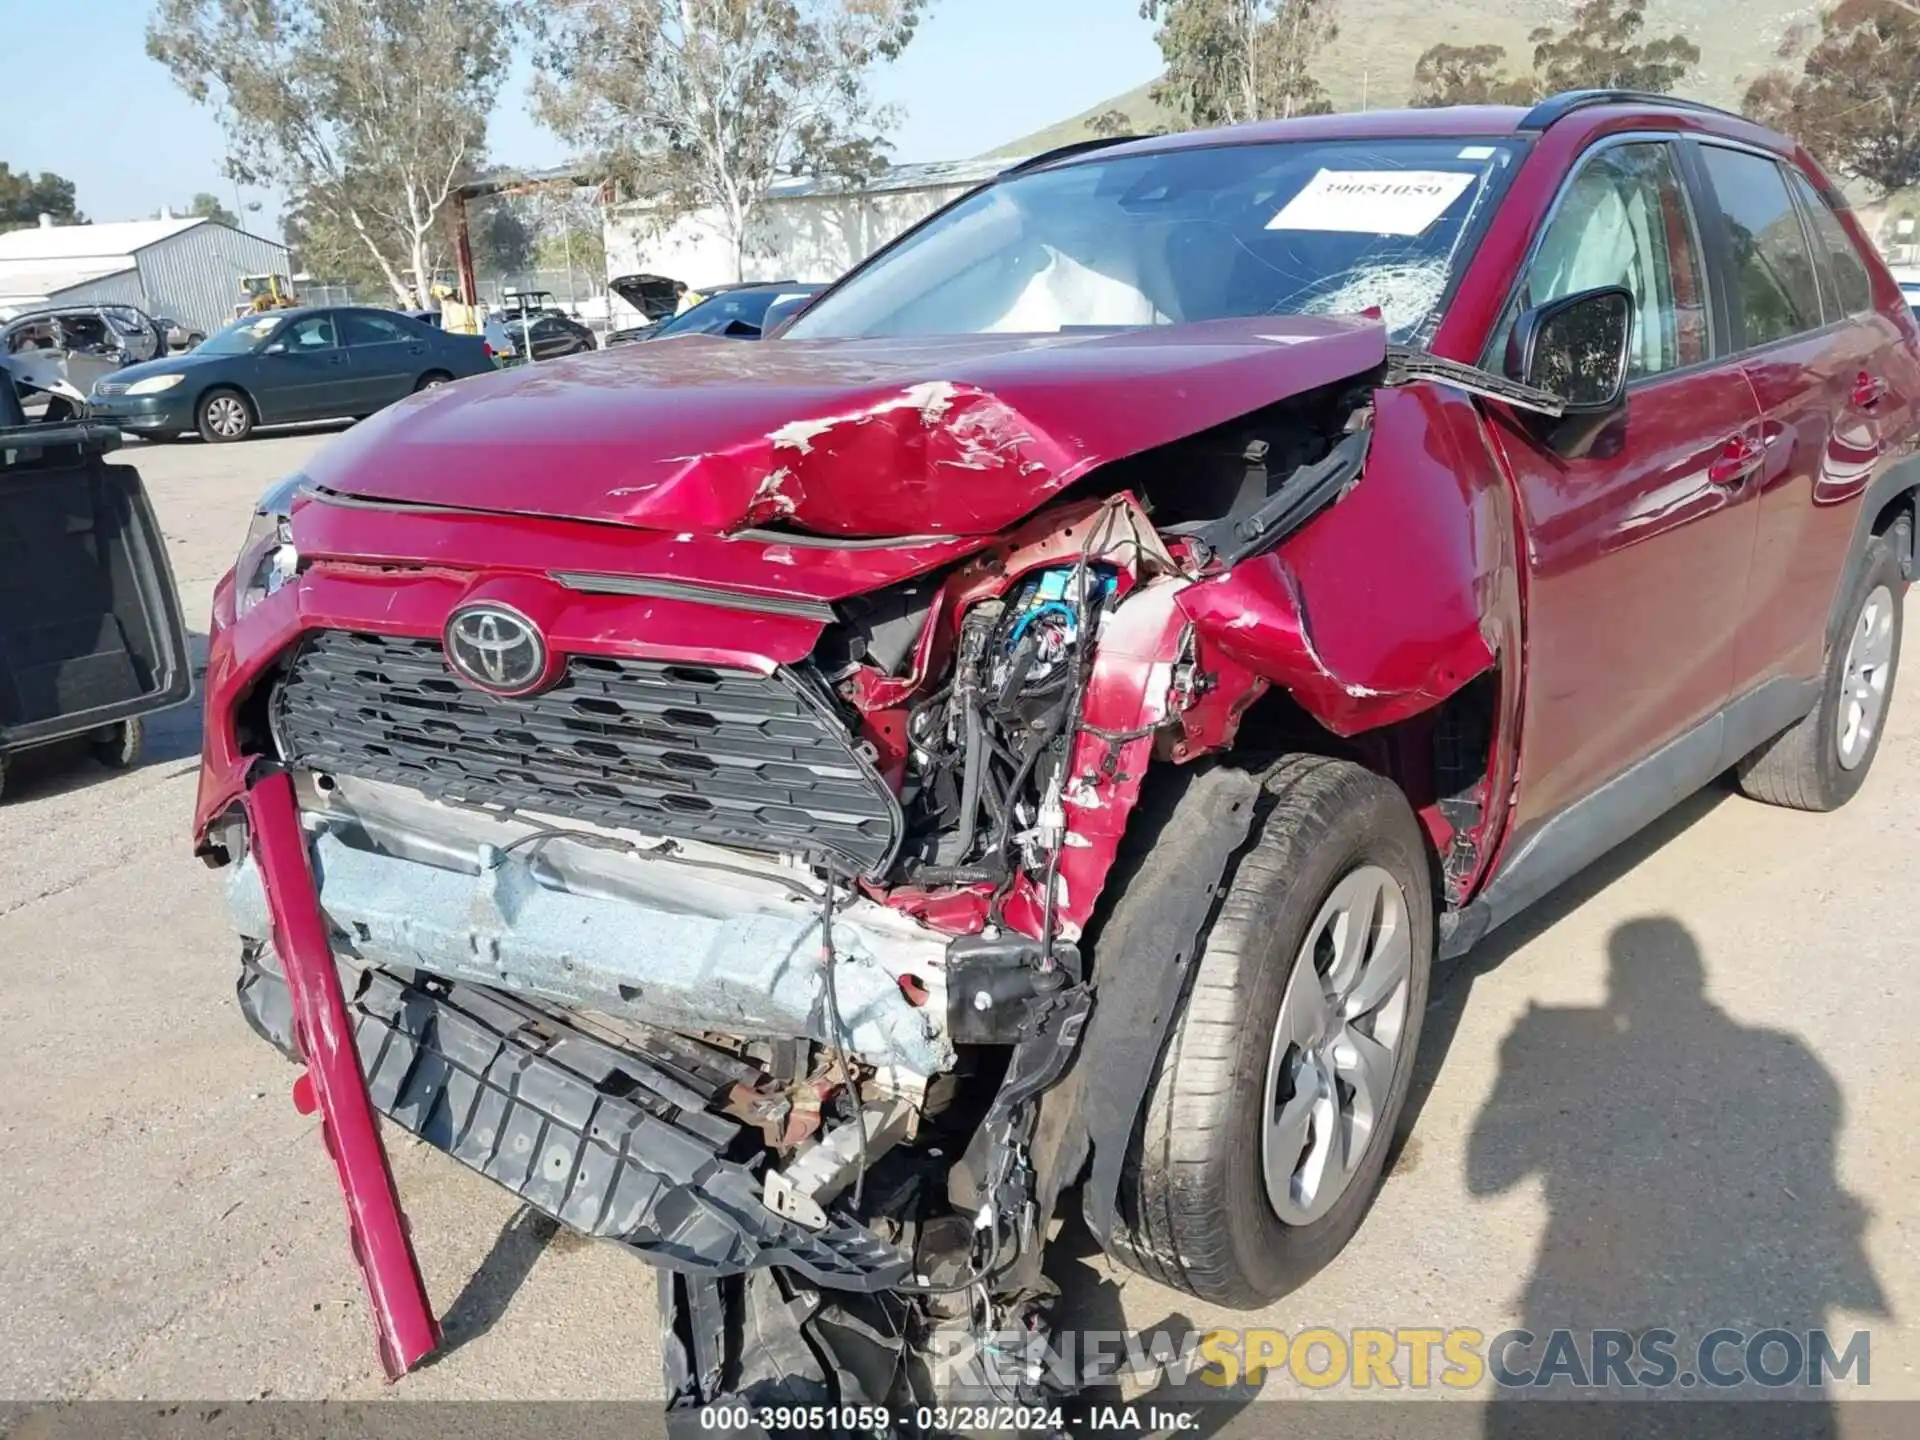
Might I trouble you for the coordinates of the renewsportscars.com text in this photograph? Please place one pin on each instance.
(1423, 1358)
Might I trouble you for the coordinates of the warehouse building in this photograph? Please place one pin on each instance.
(807, 229)
(187, 268)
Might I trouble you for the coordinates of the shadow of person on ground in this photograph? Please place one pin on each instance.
(1454, 981)
(487, 1293)
(1688, 1163)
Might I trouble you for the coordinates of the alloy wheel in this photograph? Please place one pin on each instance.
(1864, 677)
(1335, 1044)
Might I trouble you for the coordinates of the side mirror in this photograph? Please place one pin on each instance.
(1577, 347)
(278, 347)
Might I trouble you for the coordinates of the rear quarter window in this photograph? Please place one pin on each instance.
(1844, 272)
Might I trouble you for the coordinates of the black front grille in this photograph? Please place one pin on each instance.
(687, 751)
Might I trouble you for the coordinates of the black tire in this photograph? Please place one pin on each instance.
(431, 379)
(3, 778)
(211, 416)
(118, 748)
(1801, 768)
(1193, 1199)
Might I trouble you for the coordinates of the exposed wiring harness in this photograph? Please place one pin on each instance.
(1099, 532)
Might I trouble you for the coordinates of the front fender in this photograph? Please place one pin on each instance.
(1394, 597)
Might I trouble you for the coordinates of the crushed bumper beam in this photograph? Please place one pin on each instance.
(610, 1142)
(567, 922)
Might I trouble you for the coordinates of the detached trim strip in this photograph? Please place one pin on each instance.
(697, 594)
(403, 1324)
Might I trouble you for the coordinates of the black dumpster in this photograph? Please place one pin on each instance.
(90, 630)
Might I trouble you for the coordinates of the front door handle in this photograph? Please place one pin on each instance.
(1737, 460)
(336, 359)
(1868, 391)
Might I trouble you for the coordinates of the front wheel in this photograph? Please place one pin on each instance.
(1266, 1131)
(223, 416)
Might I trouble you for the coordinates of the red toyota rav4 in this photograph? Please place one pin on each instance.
(1029, 728)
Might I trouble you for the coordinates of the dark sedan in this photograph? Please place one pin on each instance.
(736, 312)
(547, 334)
(283, 366)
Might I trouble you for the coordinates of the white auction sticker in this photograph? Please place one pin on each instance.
(1372, 202)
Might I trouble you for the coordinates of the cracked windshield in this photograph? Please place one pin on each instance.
(1189, 235)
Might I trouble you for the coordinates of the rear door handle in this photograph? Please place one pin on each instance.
(336, 359)
(1868, 391)
(1738, 459)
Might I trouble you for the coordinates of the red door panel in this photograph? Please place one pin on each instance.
(1832, 404)
(1636, 572)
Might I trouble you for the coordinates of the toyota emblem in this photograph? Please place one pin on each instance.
(496, 649)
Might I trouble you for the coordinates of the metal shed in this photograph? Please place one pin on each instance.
(188, 268)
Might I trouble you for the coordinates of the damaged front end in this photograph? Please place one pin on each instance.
(734, 894)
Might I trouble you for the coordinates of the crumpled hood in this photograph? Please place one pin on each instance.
(945, 436)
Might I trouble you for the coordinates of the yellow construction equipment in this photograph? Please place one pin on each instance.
(265, 292)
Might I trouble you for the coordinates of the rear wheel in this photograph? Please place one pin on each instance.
(223, 416)
(1821, 763)
(1266, 1131)
(432, 380)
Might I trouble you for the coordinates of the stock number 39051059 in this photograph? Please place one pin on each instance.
(878, 1421)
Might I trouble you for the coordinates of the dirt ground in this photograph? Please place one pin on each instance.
(1679, 1095)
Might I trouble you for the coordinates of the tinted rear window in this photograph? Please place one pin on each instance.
(1850, 288)
(710, 317)
(1773, 270)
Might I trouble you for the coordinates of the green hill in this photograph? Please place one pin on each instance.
(1371, 64)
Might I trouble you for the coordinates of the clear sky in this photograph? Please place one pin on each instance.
(82, 99)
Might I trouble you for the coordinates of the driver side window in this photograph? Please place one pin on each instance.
(315, 332)
(1624, 220)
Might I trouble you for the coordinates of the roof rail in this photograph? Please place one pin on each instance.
(1556, 108)
(1066, 152)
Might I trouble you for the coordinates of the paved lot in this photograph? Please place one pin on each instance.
(1681, 1095)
